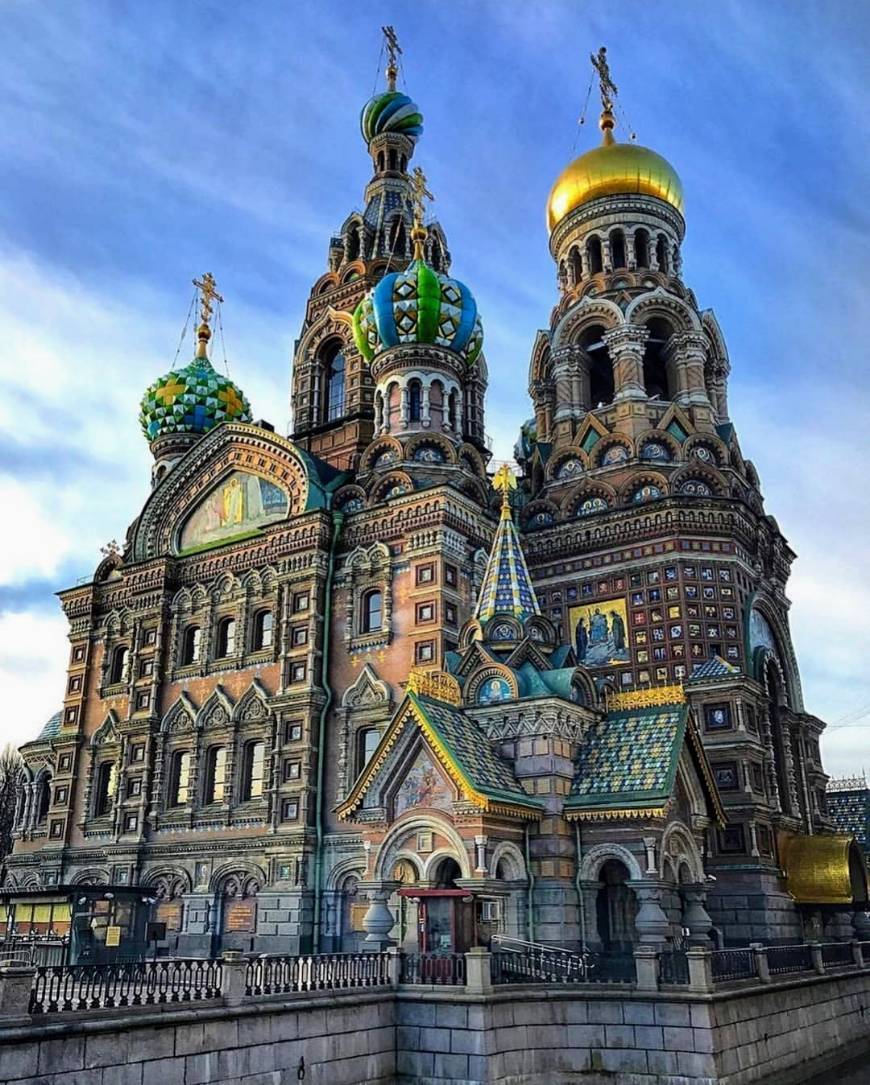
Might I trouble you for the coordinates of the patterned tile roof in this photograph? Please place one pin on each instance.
(507, 586)
(472, 752)
(629, 759)
(50, 729)
(714, 667)
(850, 813)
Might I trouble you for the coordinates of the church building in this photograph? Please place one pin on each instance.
(355, 686)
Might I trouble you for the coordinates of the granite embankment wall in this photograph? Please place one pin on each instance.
(776, 1034)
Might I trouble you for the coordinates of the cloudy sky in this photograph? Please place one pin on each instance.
(143, 144)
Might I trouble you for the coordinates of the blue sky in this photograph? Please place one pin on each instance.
(144, 144)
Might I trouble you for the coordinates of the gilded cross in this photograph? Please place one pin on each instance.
(503, 482)
(606, 85)
(207, 293)
(420, 193)
(394, 51)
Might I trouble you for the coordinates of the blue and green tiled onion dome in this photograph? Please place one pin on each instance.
(390, 111)
(418, 305)
(191, 400)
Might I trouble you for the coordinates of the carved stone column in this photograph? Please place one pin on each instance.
(626, 346)
(695, 915)
(571, 375)
(378, 920)
(687, 357)
(651, 923)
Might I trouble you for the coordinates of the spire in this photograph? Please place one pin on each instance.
(394, 51)
(207, 293)
(507, 586)
(420, 193)
(608, 91)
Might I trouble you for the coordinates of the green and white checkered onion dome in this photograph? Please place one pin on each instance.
(418, 305)
(191, 400)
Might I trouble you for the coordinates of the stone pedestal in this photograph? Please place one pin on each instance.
(646, 963)
(695, 915)
(15, 983)
(378, 920)
(478, 970)
(650, 922)
(700, 969)
(234, 968)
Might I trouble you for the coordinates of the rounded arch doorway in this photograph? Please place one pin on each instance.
(616, 907)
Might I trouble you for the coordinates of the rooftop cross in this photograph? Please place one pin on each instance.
(606, 86)
(503, 482)
(419, 194)
(394, 51)
(207, 288)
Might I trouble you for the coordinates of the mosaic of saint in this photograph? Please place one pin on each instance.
(241, 503)
(599, 632)
(423, 786)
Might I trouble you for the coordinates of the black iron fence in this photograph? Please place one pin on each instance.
(316, 972)
(837, 953)
(732, 964)
(674, 967)
(114, 986)
(447, 969)
(38, 950)
(783, 959)
(554, 966)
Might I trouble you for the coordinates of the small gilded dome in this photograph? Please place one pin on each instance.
(613, 169)
(191, 400)
(418, 305)
(390, 111)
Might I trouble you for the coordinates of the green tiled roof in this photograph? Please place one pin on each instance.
(473, 753)
(629, 758)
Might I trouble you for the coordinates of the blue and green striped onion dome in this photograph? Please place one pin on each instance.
(418, 305)
(191, 400)
(390, 111)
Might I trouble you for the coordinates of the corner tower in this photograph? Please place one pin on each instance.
(332, 396)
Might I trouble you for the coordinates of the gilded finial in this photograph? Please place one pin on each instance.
(608, 91)
(394, 51)
(503, 482)
(207, 294)
(420, 193)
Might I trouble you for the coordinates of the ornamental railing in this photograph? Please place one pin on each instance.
(96, 987)
(541, 965)
(440, 969)
(837, 954)
(674, 967)
(784, 959)
(316, 972)
(732, 964)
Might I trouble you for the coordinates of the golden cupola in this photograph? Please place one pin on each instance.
(613, 168)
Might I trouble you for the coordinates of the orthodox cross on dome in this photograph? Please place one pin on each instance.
(207, 288)
(606, 86)
(503, 482)
(419, 194)
(394, 51)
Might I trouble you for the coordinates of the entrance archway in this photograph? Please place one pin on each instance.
(616, 908)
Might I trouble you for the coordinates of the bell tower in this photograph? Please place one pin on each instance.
(332, 395)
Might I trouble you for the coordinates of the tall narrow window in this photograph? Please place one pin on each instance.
(215, 775)
(263, 623)
(415, 401)
(662, 253)
(226, 639)
(641, 248)
(372, 611)
(105, 788)
(334, 383)
(617, 248)
(191, 645)
(253, 771)
(44, 799)
(119, 664)
(179, 779)
(593, 251)
(366, 743)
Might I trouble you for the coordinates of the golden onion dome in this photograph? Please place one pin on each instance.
(613, 169)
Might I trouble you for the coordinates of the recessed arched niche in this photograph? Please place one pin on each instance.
(240, 504)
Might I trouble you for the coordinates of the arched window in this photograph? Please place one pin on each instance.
(393, 160)
(372, 611)
(352, 248)
(253, 771)
(191, 645)
(593, 252)
(226, 638)
(641, 248)
(215, 775)
(415, 400)
(617, 248)
(104, 790)
(366, 743)
(616, 909)
(600, 368)
(576, 267)
(380, 161)
(655, 366)
(119, 663)
(451, 409)
(44, 799)
(333, 386)
(263, 625)
(179, 779)
(774, 716)
(662, 253)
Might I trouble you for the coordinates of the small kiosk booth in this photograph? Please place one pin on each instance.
(74, 924)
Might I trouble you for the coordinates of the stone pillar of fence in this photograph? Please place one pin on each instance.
(394, 965)
(16, 981)
(857, 955)
(700, 969)
(762, 967)
(646, 963)
(478, 970)
(233, 969)
(816, 957)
